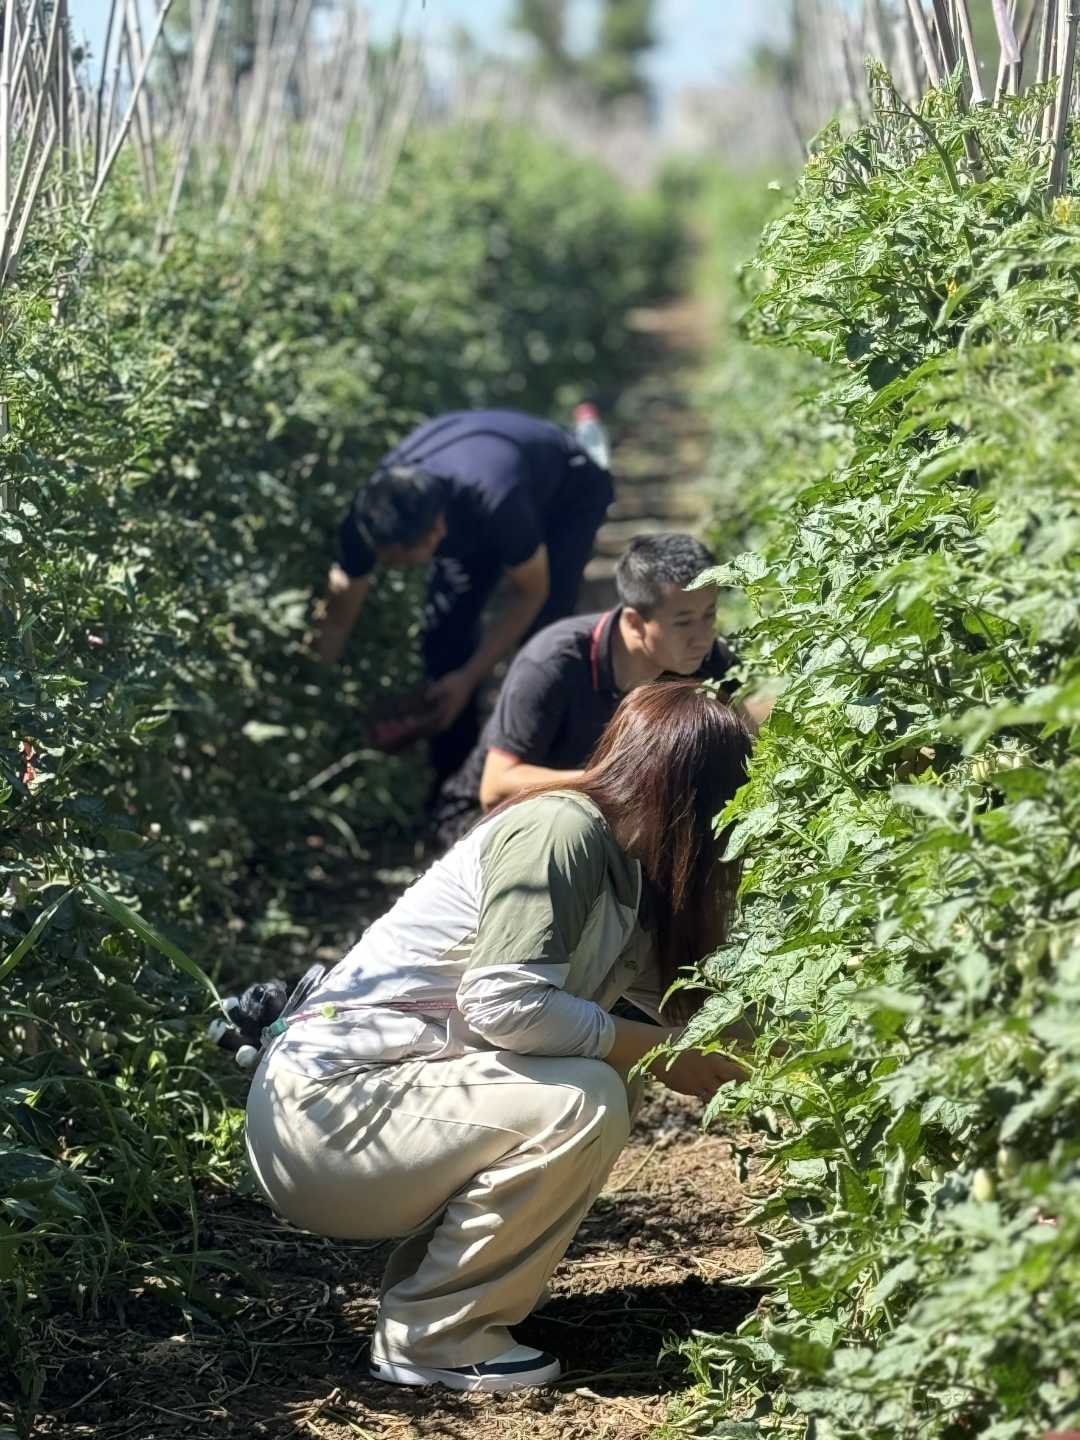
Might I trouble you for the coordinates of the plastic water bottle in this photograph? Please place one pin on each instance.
(591, 435)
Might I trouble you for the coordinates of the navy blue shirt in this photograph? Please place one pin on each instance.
(508, 474)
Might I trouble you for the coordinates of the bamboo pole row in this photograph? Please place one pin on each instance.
(309, 102)
(57, 146)
(925, 44)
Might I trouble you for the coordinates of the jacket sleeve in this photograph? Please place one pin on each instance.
(542, 871)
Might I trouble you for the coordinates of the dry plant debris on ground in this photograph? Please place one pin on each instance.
(660, 1255)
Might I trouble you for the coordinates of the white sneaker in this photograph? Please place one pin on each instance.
(519, 1368)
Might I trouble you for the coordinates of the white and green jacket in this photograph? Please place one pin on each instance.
(521, 938)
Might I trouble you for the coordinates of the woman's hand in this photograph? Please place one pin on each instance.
(694, 1072)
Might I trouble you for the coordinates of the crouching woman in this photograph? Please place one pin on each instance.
(458, 1080)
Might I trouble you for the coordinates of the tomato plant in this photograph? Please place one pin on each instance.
(912, 824)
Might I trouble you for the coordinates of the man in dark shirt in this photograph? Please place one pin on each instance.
(565, 684)
(478, 494)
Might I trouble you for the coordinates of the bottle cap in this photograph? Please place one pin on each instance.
(586, 411)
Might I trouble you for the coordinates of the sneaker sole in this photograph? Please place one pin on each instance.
(393, 1372)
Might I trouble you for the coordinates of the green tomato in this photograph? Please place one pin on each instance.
(1008, 1161)
(982, 1186)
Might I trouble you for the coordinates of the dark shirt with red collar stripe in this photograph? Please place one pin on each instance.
(557, 697)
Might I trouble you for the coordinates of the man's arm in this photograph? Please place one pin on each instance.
(505, 775)
(345, 598)
(529, 589)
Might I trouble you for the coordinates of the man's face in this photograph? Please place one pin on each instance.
(681, 629)
(408, 557)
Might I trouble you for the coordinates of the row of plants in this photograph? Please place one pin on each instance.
(185, 431)
(910, 933)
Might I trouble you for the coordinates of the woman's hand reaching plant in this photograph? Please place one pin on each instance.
(699, 1073)
(691, 1072)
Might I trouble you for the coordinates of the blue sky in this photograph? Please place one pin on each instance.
(700, 39)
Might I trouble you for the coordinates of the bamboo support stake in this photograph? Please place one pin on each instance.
(100, 110)
(926, 43)
(202, 52)
(216, 136)
(908, 61)
(288, 51)
(30, 28)
(114, 91)
(1003, 21)
(946, 40)
(5, 126)
(352, 101)
(1046, 41)
(391, 143)
(1008, 74)
(63, 98)
(1046, 24)
(254, 110)
(140, 80)
(1016, 72)
(11, 258)
(330, 76)
(5, 483)
(144, 110)
(131, 64)
(1068, 20)
(19, 195)
(1047, 61)
(978, 95)
(78, 119)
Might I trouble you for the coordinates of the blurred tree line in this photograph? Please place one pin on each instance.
(612, 69)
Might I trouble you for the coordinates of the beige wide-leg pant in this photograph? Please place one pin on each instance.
(486, 1163)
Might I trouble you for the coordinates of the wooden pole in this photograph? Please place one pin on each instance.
(144, 114)
(19, 194)
(78, 118)
(945, 35)
(978, 96)
(926, 43)
(5, 120)
(1008, 76)
(125, 124)
(100, 111)
(1068, 20)
(202, 53)
(1003, 22)
(1047, 54)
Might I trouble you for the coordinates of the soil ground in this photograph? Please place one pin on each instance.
(660, 1255)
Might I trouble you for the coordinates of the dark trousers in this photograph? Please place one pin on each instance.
(458, 592)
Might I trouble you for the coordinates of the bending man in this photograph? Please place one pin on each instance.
(478, 494)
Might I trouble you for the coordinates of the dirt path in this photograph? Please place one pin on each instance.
(278, 1348)
(660, 442)
(653, 1261)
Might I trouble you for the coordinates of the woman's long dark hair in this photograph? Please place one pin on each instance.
(670, 759)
